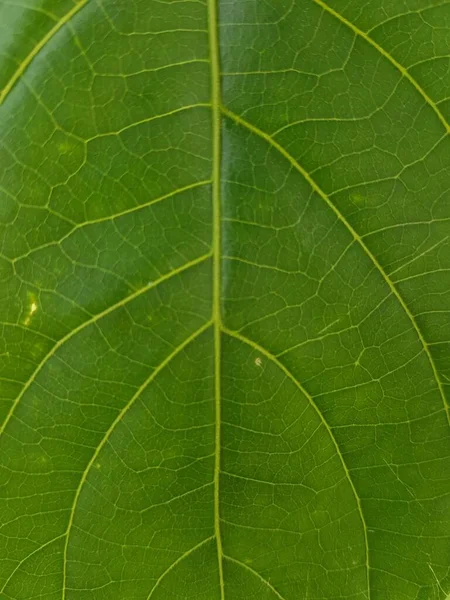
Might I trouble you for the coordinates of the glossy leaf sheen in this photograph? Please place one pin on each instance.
(224, 300)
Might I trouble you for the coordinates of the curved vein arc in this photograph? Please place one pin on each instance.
(175, 563)
(240, 121)
(291, 376)
(256, 574)
(111, 429)
(94, 319)
(157, 117)
(39, 46)
(24, 560)
(113, 217)
(405, 73)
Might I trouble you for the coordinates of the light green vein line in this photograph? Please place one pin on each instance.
(110, 430)
(37, 9)
(390, 58)
(265, 482)
(174, 564)
(24, 560)
(310, 399)
(184, 494)
(446, 596)
(28, 330)
(415, 11)
(216, 283)
(356, 237)
(175, 111)
(115, 216)
(8, 380)
(94, 319)
(260, 266)
(39, 46)
(418, 257)
(182, 63)
(256, 574)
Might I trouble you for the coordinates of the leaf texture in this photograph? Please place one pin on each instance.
(224, 300)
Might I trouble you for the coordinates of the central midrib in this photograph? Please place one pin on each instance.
(216, 274)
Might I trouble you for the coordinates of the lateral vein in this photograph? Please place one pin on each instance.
(256, 574)
(111, 429)
(94, 319)
(405, 73)
(38, 47)
(296, 382)
(319, 191)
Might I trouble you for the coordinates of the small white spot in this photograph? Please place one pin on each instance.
(258, 362)
(32, 309)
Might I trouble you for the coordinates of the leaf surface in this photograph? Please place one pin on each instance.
(224, 300)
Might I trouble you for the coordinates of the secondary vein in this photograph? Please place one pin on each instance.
(38, 47)
(119, 418)
(94, 319)
(405, 73)
(359, 240)
(216, 303)
(262, 350)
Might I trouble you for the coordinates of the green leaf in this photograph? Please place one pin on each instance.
(224, 300)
